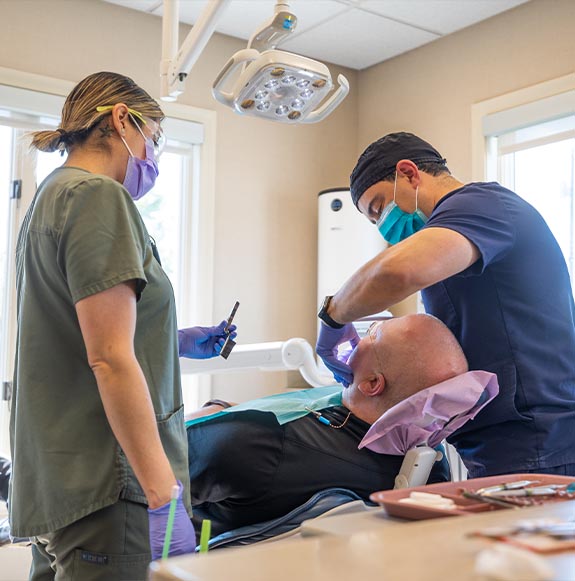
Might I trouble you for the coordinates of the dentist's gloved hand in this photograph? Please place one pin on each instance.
(203, 342)
(183, 535)
(327, 348)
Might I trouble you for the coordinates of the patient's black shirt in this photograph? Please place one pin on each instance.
(245, 468)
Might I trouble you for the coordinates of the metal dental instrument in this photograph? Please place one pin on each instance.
(547, 490)
(506, 486)
(489, 499)
(229, 343)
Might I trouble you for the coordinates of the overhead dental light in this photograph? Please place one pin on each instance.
(275, 84)
(269, 83)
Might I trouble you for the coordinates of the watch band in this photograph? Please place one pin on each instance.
(324, 316)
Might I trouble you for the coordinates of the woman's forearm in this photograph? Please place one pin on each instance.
(129, 410)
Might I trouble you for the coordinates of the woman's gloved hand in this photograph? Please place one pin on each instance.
(203, 342)
(183, 539)
(327, 348)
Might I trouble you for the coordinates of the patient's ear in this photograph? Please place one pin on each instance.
(372, 385)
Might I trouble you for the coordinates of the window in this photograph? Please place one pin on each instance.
(176, 216)
(538, 162)
(526, 141)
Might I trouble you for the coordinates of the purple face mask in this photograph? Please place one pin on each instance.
(141, 174)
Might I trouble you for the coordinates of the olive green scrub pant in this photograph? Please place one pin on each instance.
(111, 544)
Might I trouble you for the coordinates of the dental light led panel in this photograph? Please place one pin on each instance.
(279, 86)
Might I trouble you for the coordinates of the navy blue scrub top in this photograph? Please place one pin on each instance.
(513, 313)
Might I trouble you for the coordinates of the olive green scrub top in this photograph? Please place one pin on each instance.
(83, 234)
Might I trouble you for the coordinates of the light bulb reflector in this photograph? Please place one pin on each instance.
(297, 104)
(272, 84)
(283, 90)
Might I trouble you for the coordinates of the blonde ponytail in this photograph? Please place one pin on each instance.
(49, 140)
(80, 115)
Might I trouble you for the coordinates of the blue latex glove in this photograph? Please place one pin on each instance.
(327, 348)
(183, 535)
(203, 342)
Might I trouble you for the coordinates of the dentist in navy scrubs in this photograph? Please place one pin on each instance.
(489, 267)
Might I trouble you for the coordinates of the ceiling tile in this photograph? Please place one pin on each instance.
(440, 16)
(358, 40)
(143, 5)
(352, 33)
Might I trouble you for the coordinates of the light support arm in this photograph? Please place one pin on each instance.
(275, 29)
(295, 353)
(175, 65)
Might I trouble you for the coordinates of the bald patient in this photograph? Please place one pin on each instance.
(398, 358)
(246, 468)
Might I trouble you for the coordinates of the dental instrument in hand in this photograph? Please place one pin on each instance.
(229, 343)
(170, 524)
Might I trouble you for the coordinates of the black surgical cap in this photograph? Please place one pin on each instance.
(378, 161)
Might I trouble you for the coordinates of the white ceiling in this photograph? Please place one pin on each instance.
(352, 33)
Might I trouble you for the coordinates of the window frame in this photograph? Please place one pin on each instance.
(528, 107)
(483, 162)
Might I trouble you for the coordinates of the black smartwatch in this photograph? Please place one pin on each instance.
(323, 315)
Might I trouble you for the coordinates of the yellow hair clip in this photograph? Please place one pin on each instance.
(103, 108)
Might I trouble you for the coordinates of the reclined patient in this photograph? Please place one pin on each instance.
(251, 465)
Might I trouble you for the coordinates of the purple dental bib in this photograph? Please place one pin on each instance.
(432, 414)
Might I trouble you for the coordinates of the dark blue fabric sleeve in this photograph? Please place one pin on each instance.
(478, 213)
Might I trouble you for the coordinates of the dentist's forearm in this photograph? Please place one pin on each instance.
(425, 258)
(373, 288)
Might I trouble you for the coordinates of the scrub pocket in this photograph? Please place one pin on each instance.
(89, 566)
(172, 430)
(111, 544)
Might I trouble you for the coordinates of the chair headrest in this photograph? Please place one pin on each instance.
(432, 414)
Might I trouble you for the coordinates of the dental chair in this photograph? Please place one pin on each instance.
(414, 428)
(415, 471)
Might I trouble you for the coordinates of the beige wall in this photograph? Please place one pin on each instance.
(430, 90)
(267, 174)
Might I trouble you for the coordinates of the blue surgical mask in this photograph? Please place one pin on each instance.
(396, 225)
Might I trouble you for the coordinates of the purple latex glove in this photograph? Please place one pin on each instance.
(203, 342)
(327, 348)
(183, 535)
